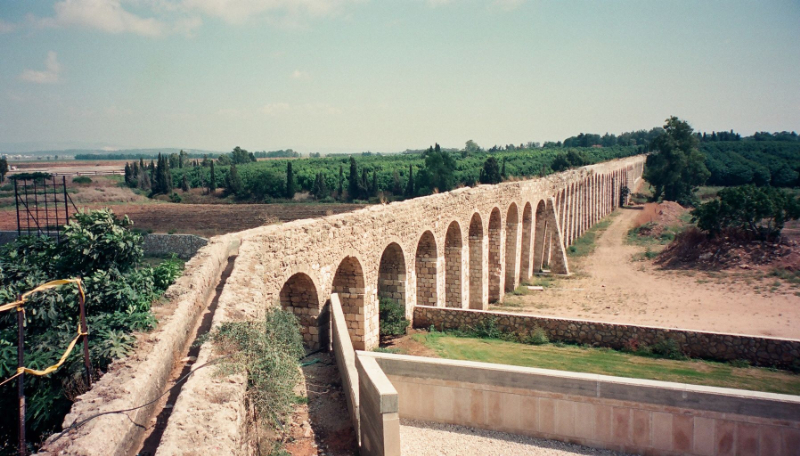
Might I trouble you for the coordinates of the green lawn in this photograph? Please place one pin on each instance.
(610, 362)
(585, 244)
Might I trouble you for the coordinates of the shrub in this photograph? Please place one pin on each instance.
(538, 337)
(267, 352)
(668, 348)
(175, 198)
(487, 329)
(82, 180)
(758, 211)
(392, 318)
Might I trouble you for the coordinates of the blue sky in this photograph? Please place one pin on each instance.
(386, 75)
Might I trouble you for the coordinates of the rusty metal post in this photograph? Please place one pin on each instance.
(16, 203)
(23, 450)
(66, 208)
(84, 329)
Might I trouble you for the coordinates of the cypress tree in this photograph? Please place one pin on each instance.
(374, 189)
(397, 188)
(212, 181)
(128, 174)
(185, 184)
(503, 171)
(352, 180)
(410, 185)
(340, 190)
(363, 185)
(290, 191)
(233, 182)
(323, 187)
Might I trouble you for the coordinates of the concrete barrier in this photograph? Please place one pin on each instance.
(759, 351)
(378, 411)
(345, 360)
(637, 416)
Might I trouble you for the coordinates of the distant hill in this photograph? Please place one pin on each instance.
(102, 154)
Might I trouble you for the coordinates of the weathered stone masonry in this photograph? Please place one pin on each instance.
(460, 249)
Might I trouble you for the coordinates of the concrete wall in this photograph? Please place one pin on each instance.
(637, 416)
(449, 248)
(379, 418)
(759, 351)
(345, 360)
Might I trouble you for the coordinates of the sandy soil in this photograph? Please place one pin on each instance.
(609, 286)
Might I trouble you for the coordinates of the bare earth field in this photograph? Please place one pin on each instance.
(159, 216)
(609, 286)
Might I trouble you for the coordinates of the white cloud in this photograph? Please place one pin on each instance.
(238, 11)
(7, 27)
(297, 74)
(105, 15)
(49, 76)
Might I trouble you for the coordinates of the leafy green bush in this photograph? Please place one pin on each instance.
(757, 211)
(82, 180)
(668, 348)
(487, 329)
(106, 254)
(267, 352)
(392, 318)
(538, 336)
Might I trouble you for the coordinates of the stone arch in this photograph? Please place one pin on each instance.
(512, 229)
(476, 262)
(539, 236)
(453, 248)
(299, 296)
(350, 285)
(392, 274)
(495, 244)
(526, 250)
(425, 267)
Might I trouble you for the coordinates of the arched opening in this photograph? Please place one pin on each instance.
(452, 266)
(495, 267)
(425, 267)
(540, 237)
(476, 262)
(527, 231)
(349, 284)
(392, 275)
(512, 229)
(299, 296)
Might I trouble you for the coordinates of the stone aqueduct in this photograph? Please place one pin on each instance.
(460, 249)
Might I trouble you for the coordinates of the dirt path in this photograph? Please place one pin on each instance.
(610, 286)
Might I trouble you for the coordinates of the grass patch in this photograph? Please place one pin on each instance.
(792, 277)
(585, 244)
(610, 362)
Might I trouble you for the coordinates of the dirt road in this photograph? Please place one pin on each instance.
(609, 286)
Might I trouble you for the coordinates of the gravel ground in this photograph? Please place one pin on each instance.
(423, 438)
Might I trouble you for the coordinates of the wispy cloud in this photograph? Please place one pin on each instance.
(7, 27)
(105, 15)
(238, 11)
(306, 109)
(49, 76)
(297, 74)
(273, 109)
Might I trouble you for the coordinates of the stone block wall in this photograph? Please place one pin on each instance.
(402, 250)
(759, 351)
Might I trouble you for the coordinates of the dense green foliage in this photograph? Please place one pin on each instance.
(675, 168)
(392, 318)
(490, 173)
(753, 162)
(266, 180)
(758, 211)
(99, 248)
(267, 352)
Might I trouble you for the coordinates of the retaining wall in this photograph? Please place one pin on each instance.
(759, 351)
(345, 361)
(183, 245)
(636, 416)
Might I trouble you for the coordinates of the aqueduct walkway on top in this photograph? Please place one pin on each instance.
(463, 248)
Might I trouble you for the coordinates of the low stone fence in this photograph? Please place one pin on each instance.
(183, 245)
(622, 414)
(759, 351)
